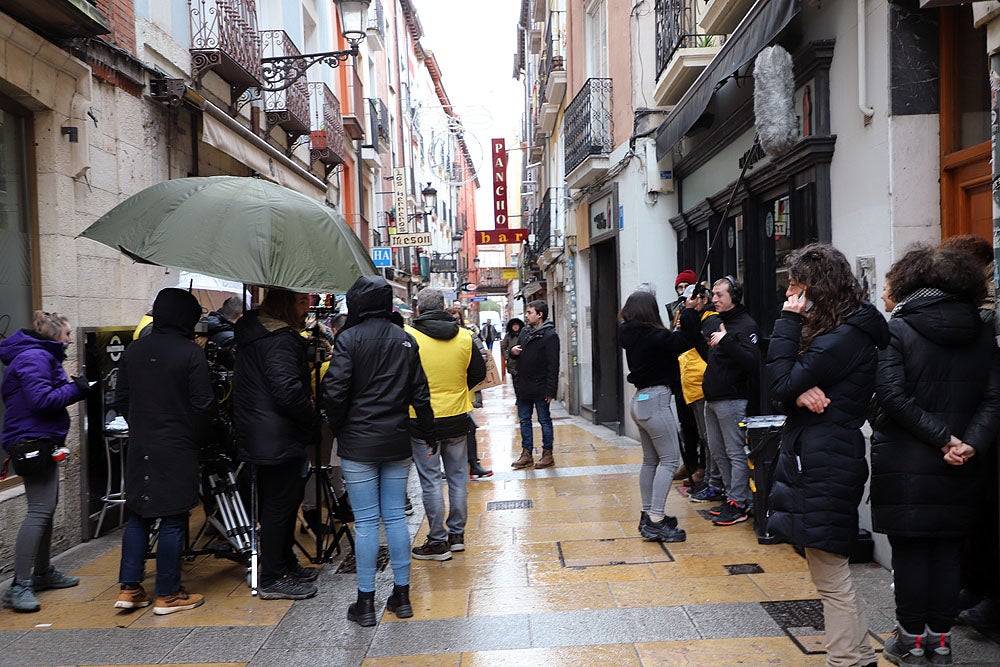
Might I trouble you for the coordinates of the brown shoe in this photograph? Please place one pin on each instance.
(682, 472)
(546, 461)
(698, 476)
(524, 462)
(179, 601)
(132, 598)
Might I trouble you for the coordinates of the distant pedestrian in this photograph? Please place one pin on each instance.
(821, 362)
(375, 376)
(165, 394)
(651, 351)
(514, 326)
(732, 364)
(938, 391)
(276, 421)
(476, 470)
(453, 365)
(36, 393)
(536, 382)
(489, 333)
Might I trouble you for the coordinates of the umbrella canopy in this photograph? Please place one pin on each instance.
(237, 228)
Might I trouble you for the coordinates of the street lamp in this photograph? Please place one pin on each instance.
(430, 195)
(281, 72)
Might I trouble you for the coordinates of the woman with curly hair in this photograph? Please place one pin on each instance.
(821, 362)
(938, 391)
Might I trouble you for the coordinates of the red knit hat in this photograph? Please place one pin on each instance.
(685, 276)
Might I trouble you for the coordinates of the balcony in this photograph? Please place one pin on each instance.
(722, 16)
(378, 118)
(327, 129)
(535, 40)
(376, 27)
(543, 224)
(681, 53)
(551, 74)
(58, 18)
(287, 108)
(354, 110)
(538, 8)
(588, 131)
(224, 39)
(491, 278)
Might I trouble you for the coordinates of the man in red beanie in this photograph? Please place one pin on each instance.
(684, 278)
(690, 440)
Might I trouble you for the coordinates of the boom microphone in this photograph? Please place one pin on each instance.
(774, 101)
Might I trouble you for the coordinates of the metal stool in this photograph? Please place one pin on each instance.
(115, 443)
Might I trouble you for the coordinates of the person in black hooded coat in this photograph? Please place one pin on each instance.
(938, 390)
(165, 393)
(275, 421)
(821, 362)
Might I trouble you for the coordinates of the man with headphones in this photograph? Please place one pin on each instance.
(733, 361)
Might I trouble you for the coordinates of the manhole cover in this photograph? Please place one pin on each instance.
(797, 614)
(510, 505)
(612, 551)
(744, 568)
(349, 565)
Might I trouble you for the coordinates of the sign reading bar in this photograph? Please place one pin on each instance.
(382, 257)
(399, 200)
(499, 236)
(409, 240)
(500, 218)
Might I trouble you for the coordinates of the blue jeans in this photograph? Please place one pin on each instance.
(524, 408)
(453, 453)
(169, 545)
(379, 489)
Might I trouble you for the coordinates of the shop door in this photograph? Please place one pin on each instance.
(607, 356)
(966, 203)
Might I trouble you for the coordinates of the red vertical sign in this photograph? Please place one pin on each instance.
(500, 218)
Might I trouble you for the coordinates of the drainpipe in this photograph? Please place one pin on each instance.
(863, 65)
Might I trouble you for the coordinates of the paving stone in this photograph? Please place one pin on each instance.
(92, 647)
(220, 644)
(309, 625)
(453, 635)
(725, 621)
(301, 657)
(611, 626)
(9, 636)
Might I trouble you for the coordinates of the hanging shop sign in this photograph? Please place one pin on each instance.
(409, 240)
(500, 217)
(399, 201)
(444, 266)
(500, 236)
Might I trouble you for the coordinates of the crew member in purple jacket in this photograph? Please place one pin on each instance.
(35, 394)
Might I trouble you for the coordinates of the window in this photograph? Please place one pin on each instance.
(597, 39)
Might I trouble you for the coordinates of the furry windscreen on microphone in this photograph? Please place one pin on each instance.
(774, 100)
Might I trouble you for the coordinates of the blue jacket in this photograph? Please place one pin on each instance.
(35, 388)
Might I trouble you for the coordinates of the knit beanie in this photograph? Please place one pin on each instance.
(685, 276)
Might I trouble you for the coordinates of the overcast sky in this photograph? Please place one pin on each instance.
(474, 43)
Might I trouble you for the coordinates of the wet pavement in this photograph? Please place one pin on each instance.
(554, 573)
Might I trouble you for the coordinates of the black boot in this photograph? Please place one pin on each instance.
(362, 612)
(399, 602)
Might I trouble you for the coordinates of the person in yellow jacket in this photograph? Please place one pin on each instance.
(452, 365)
(692, 370)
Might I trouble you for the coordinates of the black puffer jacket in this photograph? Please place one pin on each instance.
(538, 364)
(940, 376)
(273, 411)
(735, 361)
(821, 469)
(165, 393)
(651, 353)
(375, 376)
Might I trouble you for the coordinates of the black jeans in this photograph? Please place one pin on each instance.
(280, 489)
(927, 577)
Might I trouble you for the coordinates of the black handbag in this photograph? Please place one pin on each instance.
(32, 456)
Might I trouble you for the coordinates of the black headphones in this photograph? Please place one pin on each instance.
(735, 289)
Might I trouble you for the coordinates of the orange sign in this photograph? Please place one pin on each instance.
(500, 236)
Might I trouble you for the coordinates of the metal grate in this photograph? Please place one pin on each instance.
(744, 568)
(350, 566)
(510, 505)
(796, 614)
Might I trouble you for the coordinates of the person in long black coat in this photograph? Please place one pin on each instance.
(165, 393)
(821, 362)
(276, 420)
(938, 411)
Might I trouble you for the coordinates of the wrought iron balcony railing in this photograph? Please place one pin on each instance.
(543, 222)
(378, 114)
(491, 277)
(553, 57)
(376, 20)
(677, 28)
(587, 124)
(288, 108)
(224, 38)
(326, 125)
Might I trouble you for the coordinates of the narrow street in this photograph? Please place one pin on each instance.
(553, 574)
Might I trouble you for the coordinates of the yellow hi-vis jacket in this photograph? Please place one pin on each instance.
(693, 370)
(446, 364)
